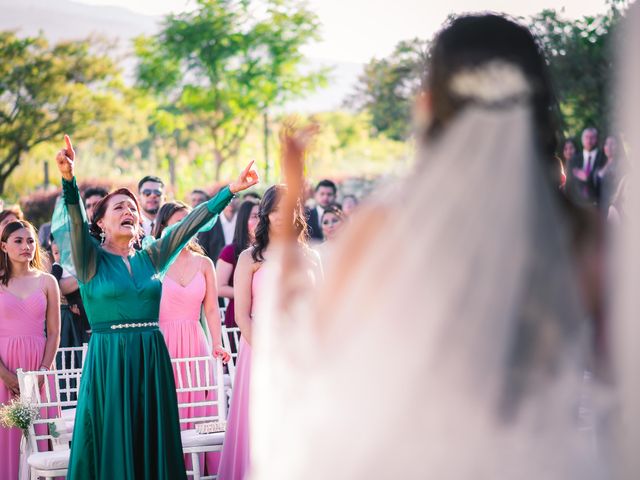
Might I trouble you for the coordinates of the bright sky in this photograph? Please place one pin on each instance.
(357, 30)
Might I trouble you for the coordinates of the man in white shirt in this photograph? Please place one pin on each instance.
(151, 195)
(583, 167)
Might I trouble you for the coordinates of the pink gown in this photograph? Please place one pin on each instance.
(22, 342)
(235, 461)
(179, 321)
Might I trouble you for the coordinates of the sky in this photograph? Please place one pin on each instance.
(358, 30)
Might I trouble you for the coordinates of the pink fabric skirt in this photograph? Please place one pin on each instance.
(235, 461)
(19, 351)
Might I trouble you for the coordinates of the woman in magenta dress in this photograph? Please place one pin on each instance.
(29, 324)
(188, 286)
(249, 274)
(242, 238)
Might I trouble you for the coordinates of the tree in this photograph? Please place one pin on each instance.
(581, 63)
(387, 88)
(224, 63)
(47, 91)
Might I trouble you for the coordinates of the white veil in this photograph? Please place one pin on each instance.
(448, 341)
(626, 300)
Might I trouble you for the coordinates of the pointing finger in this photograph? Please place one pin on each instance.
(69, 150)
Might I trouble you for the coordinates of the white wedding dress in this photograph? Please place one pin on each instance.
(448, 342)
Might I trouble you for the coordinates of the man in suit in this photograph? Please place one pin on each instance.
(325, 195)
(214, 240)
(581, 184)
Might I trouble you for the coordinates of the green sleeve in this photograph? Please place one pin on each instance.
(163, 251)
(84, 248)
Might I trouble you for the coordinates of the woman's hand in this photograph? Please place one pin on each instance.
(11, 382)
(220, 352)
(248, 178)
(65, 159)
(580, 174)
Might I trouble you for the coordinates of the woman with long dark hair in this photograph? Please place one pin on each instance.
(243, 237)
(248, 278)
(127, 417)
(29, 323)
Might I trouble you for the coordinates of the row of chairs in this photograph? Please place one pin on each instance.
(202, 398)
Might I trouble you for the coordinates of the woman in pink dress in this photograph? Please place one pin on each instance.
(29, 307)
(236, 457)
(188, 286)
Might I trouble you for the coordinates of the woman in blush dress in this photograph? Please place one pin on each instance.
(248, 278)
(332, 221)
(242, 239)
(29, 324)
(189, 285)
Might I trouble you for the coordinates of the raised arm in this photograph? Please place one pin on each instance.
(164, 251)
(84, 248)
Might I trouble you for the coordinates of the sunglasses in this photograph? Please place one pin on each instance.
(147, 192)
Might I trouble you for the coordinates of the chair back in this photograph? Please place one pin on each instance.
(48, 399)
(231, 342)
(200, 389)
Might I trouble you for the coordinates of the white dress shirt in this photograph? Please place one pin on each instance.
(147, 225)
(228, 227)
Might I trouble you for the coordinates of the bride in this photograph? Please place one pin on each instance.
(458, 353)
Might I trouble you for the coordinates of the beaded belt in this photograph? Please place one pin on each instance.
(133, 326)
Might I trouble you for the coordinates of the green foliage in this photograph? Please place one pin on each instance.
(218, 67)
(46, 91)
(581, 63)
(387, 88)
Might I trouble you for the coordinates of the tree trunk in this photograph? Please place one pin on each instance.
(8, 165)
(219, 160)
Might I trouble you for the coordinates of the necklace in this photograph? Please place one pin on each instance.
(182, 272)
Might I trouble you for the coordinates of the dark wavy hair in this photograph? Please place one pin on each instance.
(241, 238)
(162, 218)
(101, 208)
(5, 263)
(471, 40)
(270, 201)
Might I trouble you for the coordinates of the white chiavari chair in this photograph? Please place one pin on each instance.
(201, 400)
(51, 427)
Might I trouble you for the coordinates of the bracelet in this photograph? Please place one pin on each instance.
(43, 368)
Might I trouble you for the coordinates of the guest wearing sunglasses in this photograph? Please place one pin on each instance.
(151, 194)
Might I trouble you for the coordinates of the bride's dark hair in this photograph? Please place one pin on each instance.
(472, 40)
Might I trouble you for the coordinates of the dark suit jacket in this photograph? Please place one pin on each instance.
(212, 241)
(313, 224)
(584, 192)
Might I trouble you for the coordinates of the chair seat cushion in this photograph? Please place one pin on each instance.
(191, 438)
(49, 460)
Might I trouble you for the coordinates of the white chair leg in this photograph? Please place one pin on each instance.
(195, 463)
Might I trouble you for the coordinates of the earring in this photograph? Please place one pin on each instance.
(102, 237)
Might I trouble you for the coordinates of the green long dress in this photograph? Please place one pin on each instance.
(126, 424)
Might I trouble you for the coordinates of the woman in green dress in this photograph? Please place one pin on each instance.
(126, 423)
